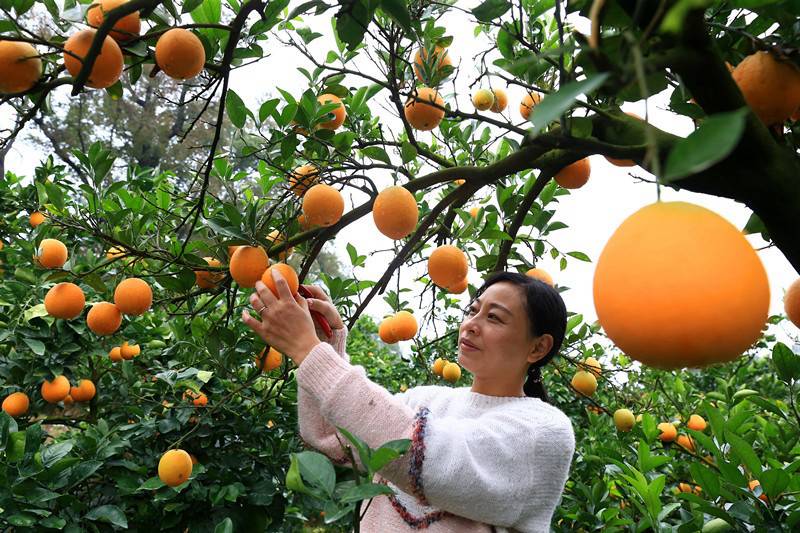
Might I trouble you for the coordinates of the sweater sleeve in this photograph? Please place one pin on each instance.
(495, 469)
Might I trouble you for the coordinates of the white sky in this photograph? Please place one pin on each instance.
(592, 212)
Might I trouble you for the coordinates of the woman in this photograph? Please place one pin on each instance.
(496, 454)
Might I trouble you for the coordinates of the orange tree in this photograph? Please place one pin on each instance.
(174, 369)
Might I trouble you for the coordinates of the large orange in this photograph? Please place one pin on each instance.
(528, 101)
(338, 113)
(84, 392)
(440, 59)
(403, 326)
(288, 274)
(771, 87)
(133, 296)
(64, 300)
(420, 112)
(104, 318)
(51, 253)
(447, 266)
(180, 54)
(56, 390)
(20, 67)
(248, 263)
(395, 212)
(575, 175)
(107, 68)
(16, 404)
(791, 302)
(174, 467)
(272, 360)
(679, 286)
(323, 205)
(205, 279)
(302, 179)
(667, 432)
(125, 28)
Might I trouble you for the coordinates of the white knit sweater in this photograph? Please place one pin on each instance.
(476, 461)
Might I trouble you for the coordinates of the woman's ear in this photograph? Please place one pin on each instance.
(541, 347)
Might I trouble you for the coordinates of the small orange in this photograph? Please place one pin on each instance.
(500, 100)
(16, 404)
(424, 110)
(685, 442)
(696, 422)
(247, 265)
(180, 54)
(460, 287)
(541, 275)
(56, 390)
(528, 102)
(451, 372)
(175, 467)
(273, 360)
(447, 266)
(129, 351)
(574, 176)
(288, 273)
(385, 331)
(36, 218)
(84, 392)
(20, 67)
(438, 366)
(115, 354)
(584, 382)
(104, 318)
(206, 279)
(791, 302)
(752, 484)
(668, 432)
(51, 253)
(339, 113)
(395, 212)
(302, 179)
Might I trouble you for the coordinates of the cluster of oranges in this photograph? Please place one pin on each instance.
(402, 326)
(446, 370)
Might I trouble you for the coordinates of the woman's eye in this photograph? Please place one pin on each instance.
(470, 310)
(493, 317)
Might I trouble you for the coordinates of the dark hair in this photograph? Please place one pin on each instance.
(546, 313)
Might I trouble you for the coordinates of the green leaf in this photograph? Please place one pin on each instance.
(408, 152)
(398, 10)
(317, 470)
(555, 104)
(54, 452)
(673, 21)
(237, 111)
(190, 5)
(580, 255)
(270, 15)
(110, 514)
(376, 152)
(225, 526)
(491, 9)
(712, 142)
(754, 225)
(36, 346)
(708, 480)
(787, 363)
(352, 21)
(208, 12)
(364, 492)
(744, 452)
(153, 483)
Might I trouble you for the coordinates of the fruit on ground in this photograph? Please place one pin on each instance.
(277, 239)
(770, 86)
(56, 390)
(51, 253)
(593, 366)
(16, 404)
(385, 331)
(584, 382)
(668, 432)
(574, 176)
(36, 218)
(439, 59)
(338, 114)
(679, 286)
(65, 300)
(323, 205)
(438, 366)
(288, 274)
(180, 54)
(273, 359)
(624, 419)
(752, 484)
(500, 100)
(528, 101)
(696, 422)
(425, 109)
(791, 302)
(104, 318)
(395, 212)
(107, 68)
(129, 351)
(459, 287)
(20, 67)
(247, 265)
(174, 467)
(451, 372)
(483, 99)
(541, 275)
(686, 442)
(447, 266)
(302, 179)
(205, 279)
(133, 296)
(125, 28)
(403, 326)
(84, 392)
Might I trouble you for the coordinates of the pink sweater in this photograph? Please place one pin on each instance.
(474, 460)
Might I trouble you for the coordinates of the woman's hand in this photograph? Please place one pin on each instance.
(321, 303)
(285, 323)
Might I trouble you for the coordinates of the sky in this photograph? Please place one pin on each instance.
(592, 212)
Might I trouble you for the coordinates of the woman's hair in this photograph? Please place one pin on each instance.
(546, 314)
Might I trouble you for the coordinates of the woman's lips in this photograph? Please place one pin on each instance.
(468, 346)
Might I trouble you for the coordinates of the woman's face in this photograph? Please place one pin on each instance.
(495, 338)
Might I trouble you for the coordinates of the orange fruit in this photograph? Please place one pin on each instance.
(200, 400)
(288, 273)
(483, 99)
(684, 487)
(770, 86)
(174, 467)
(248, 263)
(129, 351)
(679, 286)
(460, 182)
(64, 300)
(104, 318)
(125, 29)
(385, 331)
(277, 239)
(420, 113)
(541, 275)
(107, 68)
(51, 254)
(584, 382)
(528, 101)
(115, 354)
(752, 484)
(438, 366)
(403, 326)
(500, 100)
(791, 302)
(447, 266)
(459, 287)
(574, 176)
(36, 218)
(696, 422)
(16, 404)
(205, 279)
(114, 252)
(84, 392)
(395, 212)
(473, 212)
(56, 390)
(303, 222)
(339, 113)
(180, 54)
(624, 420)
(20, 67)
(440, 58)
(302, 179)
(323, 205)
(593, 366)
(232, 250)
(668, 432)
(686, 442)
(451, 372)
(133, 296)
(273, 360)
